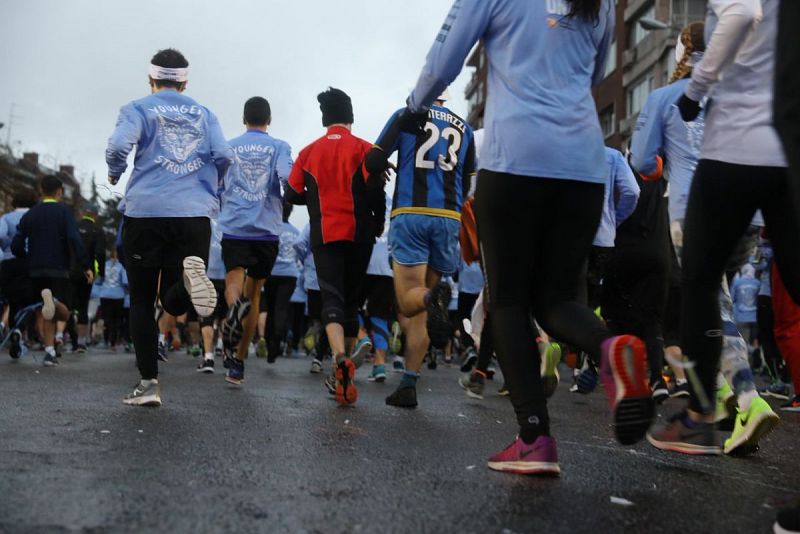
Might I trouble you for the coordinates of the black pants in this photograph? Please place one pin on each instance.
(299, 322)
(341, 268)
(466, 301)
(536, 234)
(279, 291)
(112, 315)
(487, 346)
(315, 316)
(156, 247)
(16, 287)
(635, 290)
(81, 292)
(723, 199)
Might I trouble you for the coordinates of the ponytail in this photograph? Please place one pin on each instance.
(585, 9)
(693, 41)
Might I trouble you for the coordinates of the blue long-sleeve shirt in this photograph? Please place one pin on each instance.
(286, 263)
(45, 236)
(252, 201)
(540, 117)
(115, 281)
(303, 248)
(181, 156)
(660, 131)
(620, 197)
(8, 229)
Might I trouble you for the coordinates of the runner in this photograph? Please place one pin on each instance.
(742, 169)
(211, 325)
(47, 235)
(181, 154)
(112, 296)
(251, 223)
(94, 243)
(315, 339)
(347, 214)
(543, 169)
(380, 306)
(435, 165)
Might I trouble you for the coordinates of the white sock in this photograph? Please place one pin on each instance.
(51, 350)
(162, 338)
(209, 356)
(745, 398)
(60, 336)
(680, 381)
(148, 382)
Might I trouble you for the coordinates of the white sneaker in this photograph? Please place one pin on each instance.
(48, 305)
(146, 393)
(199, 286)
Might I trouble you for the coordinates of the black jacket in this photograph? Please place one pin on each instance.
(94, 243)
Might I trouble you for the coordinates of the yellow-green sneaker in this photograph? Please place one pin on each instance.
(751, 425)
(550, 356)
(726, 404)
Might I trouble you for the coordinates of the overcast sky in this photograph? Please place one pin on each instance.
(69, 65)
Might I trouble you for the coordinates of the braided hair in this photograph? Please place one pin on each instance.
(693, 39)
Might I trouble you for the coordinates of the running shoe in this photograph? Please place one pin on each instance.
(198, 285)
(660, 391)
(675, 436)
(310, 340)
(624, 375)
(470, 359)
(316, 366)
(48, 305)
(680, 390)
(146, 393)
(537, 458)
(360, 351)
(261, 348)
(503, 391)
(403, 397)
(81, 348)
(726, 403)
(788, 521)
(777, 390)
(206, 366)
(378, 373)
(15, 344)
(232, 328)
(50, 360)
(346, 392)
(438, 323)
(473, 384)
(793, 405)
(398, 364)
(550, 358)
(751, 425)
(330, 383)
(433, 357)
(587, 379)
(235, 373)
(162, 352)
(490, 372)
(195, 351)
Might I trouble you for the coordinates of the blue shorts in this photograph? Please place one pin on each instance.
(425, 240)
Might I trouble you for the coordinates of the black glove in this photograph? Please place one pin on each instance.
(688, 108)
(413, 123)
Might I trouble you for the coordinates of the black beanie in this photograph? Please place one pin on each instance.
(336, 107)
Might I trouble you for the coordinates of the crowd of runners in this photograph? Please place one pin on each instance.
(669, 270)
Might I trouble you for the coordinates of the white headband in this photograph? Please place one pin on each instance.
(163, 73)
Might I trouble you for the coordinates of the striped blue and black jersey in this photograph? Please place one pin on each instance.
(434, 169)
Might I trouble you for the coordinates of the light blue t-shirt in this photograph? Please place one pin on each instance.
(8, 229)
(303, 248)
(114, 282)
(286, 263)
(744, 292)
(252, 201)
(379, 261)
(621, 195)
(181, 156)
(299, 296)
(540, 118)
(216, 267)
(470, 277)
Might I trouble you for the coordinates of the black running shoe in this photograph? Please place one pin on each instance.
(232, 328)
(162, 352)
(206, 366)
(440, 330)
(403, 397)
(15, 345)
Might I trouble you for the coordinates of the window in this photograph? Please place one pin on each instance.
(611, 60)
(608, 121)
(637, 32)
(638, 93)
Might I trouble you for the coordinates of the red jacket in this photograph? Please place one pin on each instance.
(329, 177)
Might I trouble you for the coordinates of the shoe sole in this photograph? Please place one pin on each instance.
(346, 392)
(633, 407)
(438, 321)
(378, 378)
(234, 381)
(198, 285)
(760, 427)
(526, 468)
(660, 396)
(48, 363)
(360, 354)
(150, 400)
(471, 394)
(679, 395)
(685, 448)
(315, 371)
(790, 409)
(49, 306)
(206, 370)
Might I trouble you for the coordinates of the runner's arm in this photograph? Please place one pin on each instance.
(296, 192)
(18, 244)
(626, 189)
(648, 138)
(126, 134)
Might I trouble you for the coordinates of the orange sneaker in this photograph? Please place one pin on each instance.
(346, 392)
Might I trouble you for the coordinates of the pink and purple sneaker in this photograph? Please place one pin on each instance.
(623, 371)
(538, 458)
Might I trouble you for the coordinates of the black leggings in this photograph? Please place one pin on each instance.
(466, 301)
(279, 291)
(487, 346)
(315, 316)
(536, 234)
(112, 316)
(341, 268)
(723, 199)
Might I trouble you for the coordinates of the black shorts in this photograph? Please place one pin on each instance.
(164, 241)
(379, 296)
(257, 257)
(58, 286)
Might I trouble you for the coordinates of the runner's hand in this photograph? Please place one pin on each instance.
(89, 275)
(113, 180)
(413, 123)
(688, 108)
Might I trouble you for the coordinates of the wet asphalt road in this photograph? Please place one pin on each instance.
(278, 455)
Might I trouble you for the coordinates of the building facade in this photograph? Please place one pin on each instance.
(24, 173)
(640, 60)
